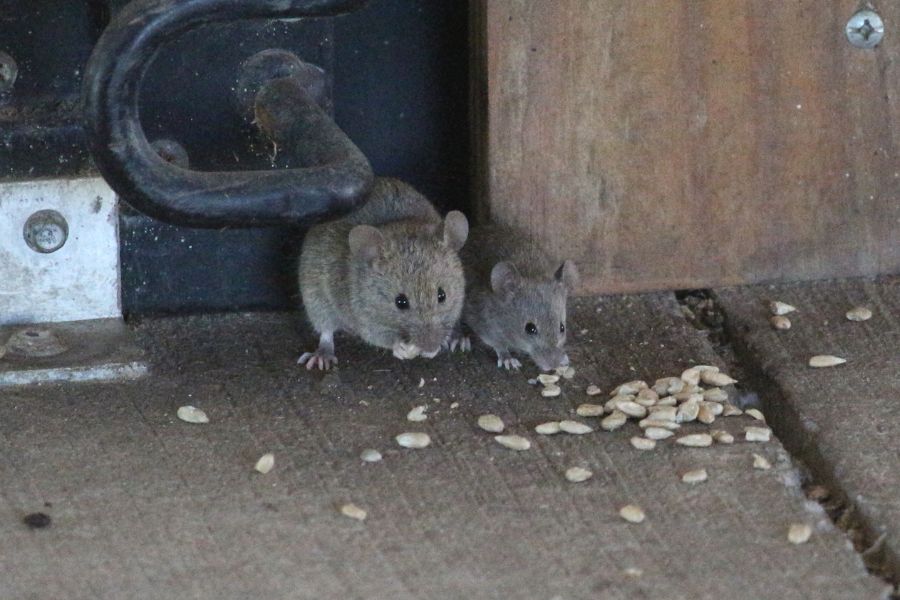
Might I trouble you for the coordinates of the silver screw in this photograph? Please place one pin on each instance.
(865, 29)
(46, 231)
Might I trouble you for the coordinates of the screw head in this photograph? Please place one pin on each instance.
(865, 29)
(46, 231)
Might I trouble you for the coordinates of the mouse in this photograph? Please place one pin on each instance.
(516, 297)
(388, 273)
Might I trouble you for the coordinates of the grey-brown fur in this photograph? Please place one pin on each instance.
(352, 270)
(511, 282)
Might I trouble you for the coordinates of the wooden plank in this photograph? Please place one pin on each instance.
(669, 145)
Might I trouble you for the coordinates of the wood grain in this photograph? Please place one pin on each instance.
(668, 145)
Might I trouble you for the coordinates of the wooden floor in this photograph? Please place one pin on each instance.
(146, 506)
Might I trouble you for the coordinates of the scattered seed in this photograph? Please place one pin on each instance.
(696, 440)
(860, 313)
(421, 382)
(695, 476)
(691, 376)
(716, 379)
(780, 308)
(634, 572)
(657, 433)
(413, 440)
(714, 407)
(642, 443)
(647, 394)
(668, 385)
(513, 442)
(663, 413)
(578, 474)
(589, 410)
(548, 428)
(566, 372)
(629, 389)
(688, 394)
(799, 533)
(645, 402)
(757, 434)
(826, 360)
(551, 391)
(715, 395)
(370, 455)
(658, 424)
(353, 511)
(491, 423)
(633, 409)
(547, 379)
(574, 427)
(632, 513)
(667, 401)
(417, 414)
(756, 414)
(761, 462)
(722, 437)
(189, 414)
(688, 411)
(265, 463)
(707, 368)
(780, 323)
(613, 403)
(454, 405)
(730, 410)
(705, 415)
(613, 421)
(593, 390)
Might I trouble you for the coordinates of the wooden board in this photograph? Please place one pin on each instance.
(667, 145)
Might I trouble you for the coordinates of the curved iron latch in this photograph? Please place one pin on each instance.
(284, 109)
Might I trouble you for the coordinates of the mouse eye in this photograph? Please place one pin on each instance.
(530, 328)
(401, 301)
(562, 327)
(441, 295)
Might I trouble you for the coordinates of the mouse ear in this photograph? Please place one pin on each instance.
(567, 273)
(365, 242)
(503, 277)
(456, 230)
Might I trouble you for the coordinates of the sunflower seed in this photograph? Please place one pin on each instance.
(688, 395)
(730, 410)
(714, 407)
(551, 391)
(780, 308)
(761, 462)
(691, 376)
(756, 414)
(662, 413)
(370, 455)
(757, 434)
(548, 428)
(421, 382)
(657, 433)
(547, 379)
(589, 410)
(417, 415)
(780, 323)
(826, 360)
(633, 409)
(265, 463)
(715, 395)
(705, 415)
(574, 427)
(695, 476)
(668, 385)
(613, 421)
(613, 403)
(578, 474)
(696, 440)
(647, 394)
(491, 423)
(630, 388)
(593, 390)
(189, 414)
(353, 511)
(667, 401)
(642, 443)
(722, 437)
(413, 440)
(860, 313)
(566, 372)
(799, 533)
(645, 402)
(660, 423)
(632, 513)
(707, 368)
(688, 411)
(716, 379)
(513, 442)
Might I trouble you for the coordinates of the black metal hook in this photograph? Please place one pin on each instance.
(337, 183)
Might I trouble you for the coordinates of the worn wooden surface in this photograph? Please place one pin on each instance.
(676, 144)
(146, 506)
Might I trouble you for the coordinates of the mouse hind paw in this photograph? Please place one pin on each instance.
(320, 359)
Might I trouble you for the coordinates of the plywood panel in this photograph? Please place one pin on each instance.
(667, 144)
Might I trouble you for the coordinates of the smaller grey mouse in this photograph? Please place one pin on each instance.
(515, 298)
(388, 272)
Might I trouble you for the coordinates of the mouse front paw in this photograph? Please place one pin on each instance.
(458, 340)
(506, 361)
(320, 359)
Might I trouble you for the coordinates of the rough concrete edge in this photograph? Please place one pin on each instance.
(787, 424)
(106, 372)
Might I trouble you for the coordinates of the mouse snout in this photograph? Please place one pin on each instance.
(547, 360)
(430, 340)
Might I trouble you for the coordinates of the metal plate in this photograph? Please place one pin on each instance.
(81, 279)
